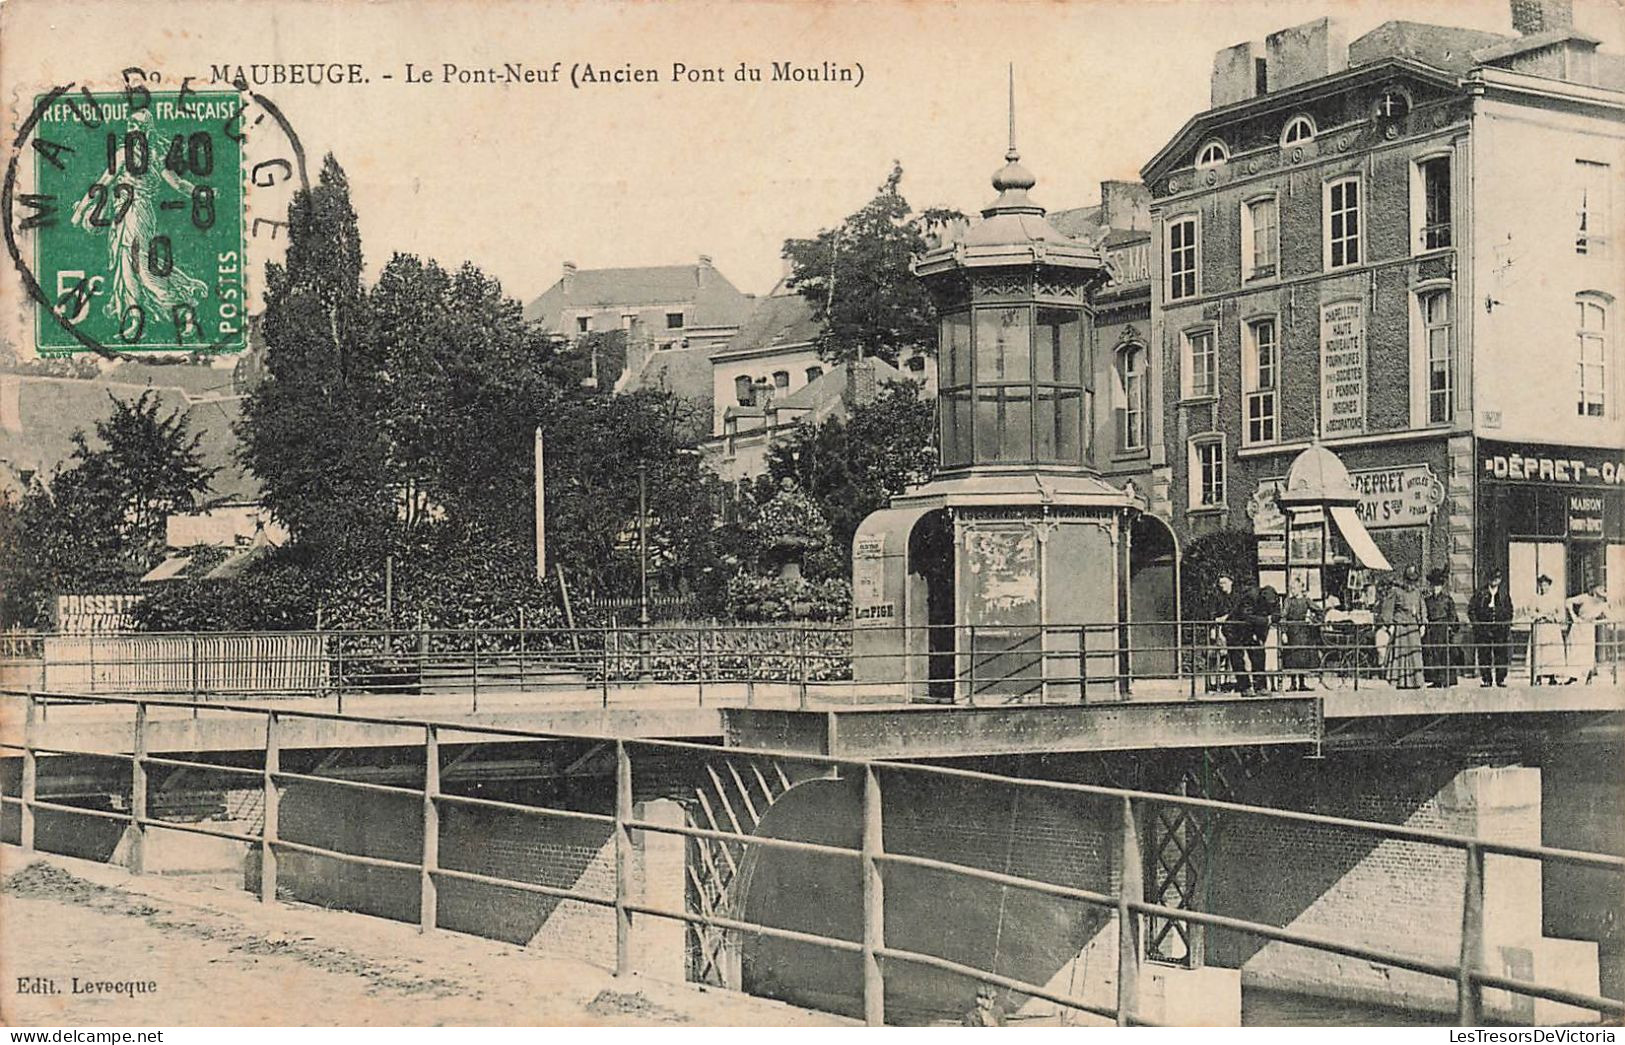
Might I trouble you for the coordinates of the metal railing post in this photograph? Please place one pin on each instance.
(474, 644)
(623, 860)
(801, 658)
(970, 693)
(1130, 890)
(428, 902)
(1469, 992)
(1083, 664)
(136, 855)
(699, 666)
(194, 663)
(604, 650)
(1123, 673)
(338, 689)
(30, 781)
(273, 799)
(874, 902)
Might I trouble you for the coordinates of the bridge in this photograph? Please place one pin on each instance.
(1107, 845)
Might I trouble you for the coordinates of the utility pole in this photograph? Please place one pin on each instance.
(541, 518)
(643, 543)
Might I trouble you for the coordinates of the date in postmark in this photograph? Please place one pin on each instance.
(133, 231)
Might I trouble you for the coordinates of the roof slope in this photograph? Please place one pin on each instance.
(39, 415)
(714, 300)
(782, 318)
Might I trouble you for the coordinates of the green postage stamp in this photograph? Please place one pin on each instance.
(144, 250)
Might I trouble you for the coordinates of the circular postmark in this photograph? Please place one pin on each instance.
(130, 213)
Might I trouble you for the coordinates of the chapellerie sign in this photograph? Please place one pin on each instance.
(1342, 368)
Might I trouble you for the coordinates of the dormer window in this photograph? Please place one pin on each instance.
(1393, 104)
(1298, 130)
(1213, 154)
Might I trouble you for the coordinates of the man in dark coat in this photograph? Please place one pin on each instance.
(1438, 638)
(1242, 641)
(1490, 610)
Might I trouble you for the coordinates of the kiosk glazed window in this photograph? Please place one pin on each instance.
(1014, 387)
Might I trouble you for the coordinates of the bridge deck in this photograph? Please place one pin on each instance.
(837, 718)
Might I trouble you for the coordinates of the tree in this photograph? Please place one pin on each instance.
(595, 446)
(99, 523)
(857, 277)
(1223, 552)
(855, 467)
(306, 431)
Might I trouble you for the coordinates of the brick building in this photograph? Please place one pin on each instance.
(1394, 245)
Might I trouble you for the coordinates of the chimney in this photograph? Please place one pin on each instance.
(860, 381)
(569, 278)
(1235, 73)
(1306, 52)
(1125, 205)
(702, 271)
(1537, 16)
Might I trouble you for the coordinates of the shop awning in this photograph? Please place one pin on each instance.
(1365, 550)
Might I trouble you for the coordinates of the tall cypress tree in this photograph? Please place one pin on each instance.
(307, 430)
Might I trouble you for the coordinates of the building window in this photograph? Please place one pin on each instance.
(1430, 203)
(781, 379)
(1439, 364)
(1342, 208)
(814, 373)
(1207, 472)
(1131, 381)
(1261, 375)
(1213, 154)
(1593, 362)
(1299, 129)
(1593, 207)
(583, 324)
(1393, 105)
(742, 390)
(1259, 238)
(674, 321)
(1182, 258)
(1201, 365)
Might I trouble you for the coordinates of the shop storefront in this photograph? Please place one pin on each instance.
(1553, 510)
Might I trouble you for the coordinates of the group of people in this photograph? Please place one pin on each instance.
(1419, 636)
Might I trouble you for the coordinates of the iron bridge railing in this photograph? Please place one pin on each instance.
(804, 663)
(1126, 902)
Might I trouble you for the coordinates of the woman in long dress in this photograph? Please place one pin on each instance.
(1298, 636)
(1404, 612)
(1548, 657)
(133, 282)
(1585, 611)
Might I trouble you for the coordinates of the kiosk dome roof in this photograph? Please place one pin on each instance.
(1318, 476)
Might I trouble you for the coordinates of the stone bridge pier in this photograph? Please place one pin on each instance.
(1399, 895)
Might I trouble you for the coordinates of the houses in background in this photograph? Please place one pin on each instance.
(1399, 246)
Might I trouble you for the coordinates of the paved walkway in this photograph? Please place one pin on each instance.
(217, 957)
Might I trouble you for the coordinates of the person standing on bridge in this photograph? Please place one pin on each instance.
(1403, 611)
(1490, 610)
(1439, 639)
(1548, 656)
(1244, 646)
(1586, 612)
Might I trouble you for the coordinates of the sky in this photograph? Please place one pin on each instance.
(519, 178)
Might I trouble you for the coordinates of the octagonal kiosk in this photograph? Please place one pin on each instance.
(1005, 577)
